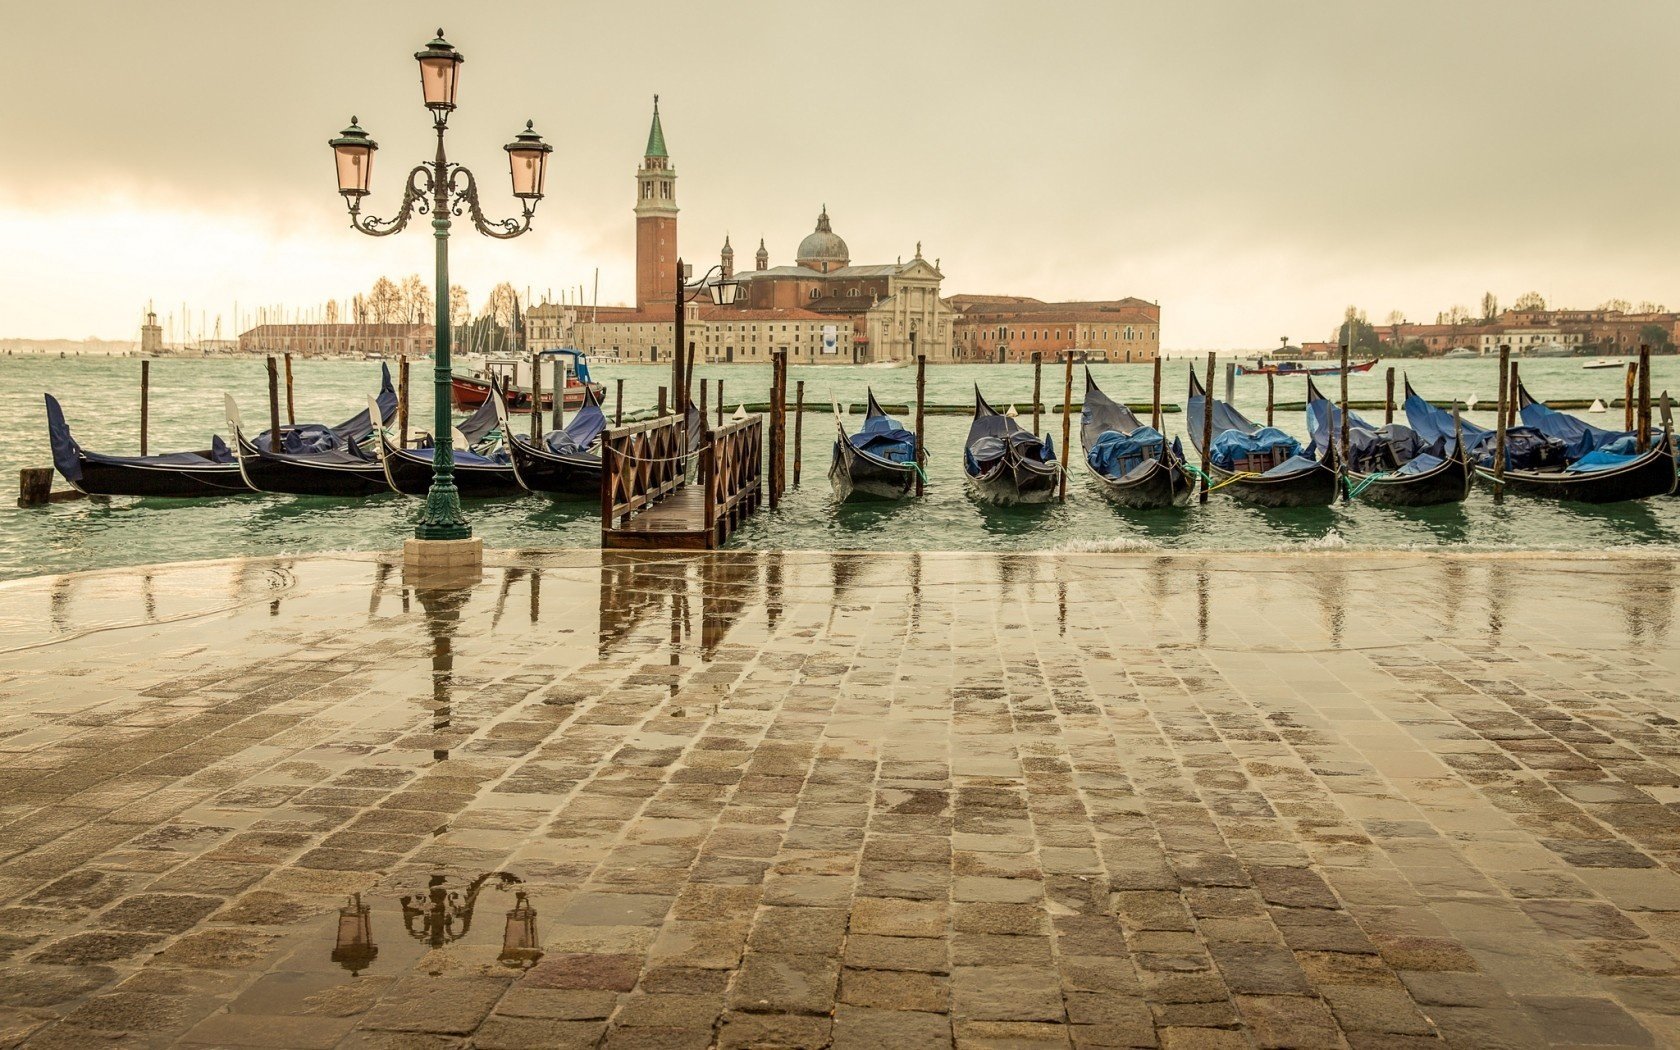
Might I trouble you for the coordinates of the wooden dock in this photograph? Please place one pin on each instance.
(647, 501)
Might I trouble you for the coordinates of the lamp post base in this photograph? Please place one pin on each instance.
(443, 557)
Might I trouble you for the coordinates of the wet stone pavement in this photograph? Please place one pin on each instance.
(809, 800)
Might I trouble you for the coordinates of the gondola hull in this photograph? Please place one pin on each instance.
(1013, 481)
(857, 476)
(160, 481)
(1448, 483)
(268, 471)
(1162, 484)
(1652, 474)
(550, 474)
(409, 471)
(1317, 487)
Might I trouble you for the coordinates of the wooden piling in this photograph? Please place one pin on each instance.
(663, 401)
(1499, 427)
(688, 377)
(145, 407)
(1388, 401)
(1155, 402)
(720, 403)
(1342, 459)
(402, 401)
(34, 486)
(1630, 379)
(291, 403)
(1038, 371)
(778, 422)
(921, 395)
(1642, 424)
(1067, 421)
(536, 397)
(703, 385)
(561, 368)
(618, 404)
(273, 405)
(1230, 382)
(1270, 397)
(798, 427)
(1207, 425)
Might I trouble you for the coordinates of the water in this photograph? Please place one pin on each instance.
(100, 397)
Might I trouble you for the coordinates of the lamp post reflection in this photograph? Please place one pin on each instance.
(354, 949)
(442, 606)
(520, 947)
(443, 916)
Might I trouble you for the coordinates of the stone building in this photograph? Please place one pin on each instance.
(1001, 328)
(306, 340)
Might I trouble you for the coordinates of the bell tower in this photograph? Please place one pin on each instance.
(656, 220)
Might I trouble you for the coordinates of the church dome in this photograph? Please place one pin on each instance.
(822, 249)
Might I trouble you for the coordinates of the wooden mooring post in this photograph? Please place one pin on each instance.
(720, 403)
(1388, 401)
(145, 408)
(663, 402)
(1631, 378)
(1270, 397)
(921, 396)
(798, 427)
(536, 397)
(618, 404)
(273, 404)
(561, 369)
(703, 403)
(291, 401)
(1207, 424)
(1038, 371)
(402, 401)
(1499, 425)
(1067, 421)
(1642, 422)
(1155, 397)
(778, 426)
(1230, 382)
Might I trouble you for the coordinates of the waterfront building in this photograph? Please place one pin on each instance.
(319, 340)
(1001, 328)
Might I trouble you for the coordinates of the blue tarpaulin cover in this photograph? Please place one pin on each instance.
(1232, 445)
(884, 438)
(577, 435)
(1115, 454)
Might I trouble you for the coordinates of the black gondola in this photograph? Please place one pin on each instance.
(1273, 474)
(1602, 476)
(1005, 463)
(172, 475)
(409, 470)
(566, 462)
(1132, 463)
(346, 467)
(876, 463)
(1390, 464)
(1582, 437)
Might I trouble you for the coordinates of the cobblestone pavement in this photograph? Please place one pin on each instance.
(848, 800)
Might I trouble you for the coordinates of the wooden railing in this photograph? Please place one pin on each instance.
(641, 463)
(731, 468)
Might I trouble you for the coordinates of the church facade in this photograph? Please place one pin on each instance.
(821, 309)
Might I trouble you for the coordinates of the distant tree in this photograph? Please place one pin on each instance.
(1656, 337)
(1529, 301)
(1364, 336)
(501, 305)
(1648, 307)
(416, 299)
(332, 311)
(1396, 317)
(1490, 306)
(460, 310)
(385, 301)
(359, 309)
(1621, 305)
(1458, 315)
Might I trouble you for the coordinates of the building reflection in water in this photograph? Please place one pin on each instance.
(354, 949)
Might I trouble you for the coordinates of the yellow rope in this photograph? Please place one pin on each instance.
(1238, 476)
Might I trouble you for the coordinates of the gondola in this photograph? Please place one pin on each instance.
(565, 462)
(172, 475)
(1390, 464)
(876, 463)
(1537, 464)
(1259, 465)
(1132, 462)
(342, 465)
(409, 470)
(1582, 437)
(1005, 463)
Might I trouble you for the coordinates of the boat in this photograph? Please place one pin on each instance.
(564, 462)
(1005, 464)
(1538, 464)
(171, 475)
(1581, 438)
(878, 462)
(1131, 461)
(1607, 362)
(514, 374)
(484, 473)
(1259, 465)
(1390, 464)
(1302, 368)
(1462, 353)
(339, 462)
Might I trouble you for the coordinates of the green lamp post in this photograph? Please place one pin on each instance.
(440, 189)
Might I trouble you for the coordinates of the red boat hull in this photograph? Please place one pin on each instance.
(471, 393)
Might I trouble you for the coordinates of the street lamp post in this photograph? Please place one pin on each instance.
(440, 189)
(723, 293)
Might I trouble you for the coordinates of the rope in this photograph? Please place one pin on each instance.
(653, 459)
(1369, 478)
(1214, 486)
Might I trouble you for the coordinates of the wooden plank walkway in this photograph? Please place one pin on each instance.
(677, 522)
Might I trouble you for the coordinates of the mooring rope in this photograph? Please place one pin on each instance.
(1215, 486)
(1366, 483)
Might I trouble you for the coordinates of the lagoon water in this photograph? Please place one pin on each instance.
(100, 397)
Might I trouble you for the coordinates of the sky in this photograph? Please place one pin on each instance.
(1254, 167)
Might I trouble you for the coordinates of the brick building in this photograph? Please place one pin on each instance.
(320, 340)
(996, 328)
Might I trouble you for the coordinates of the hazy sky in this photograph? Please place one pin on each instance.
(1254, 166)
